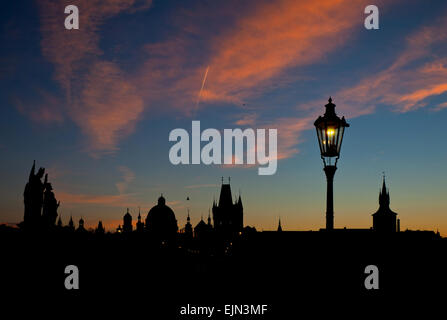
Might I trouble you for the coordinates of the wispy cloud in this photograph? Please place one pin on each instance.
(104, 200)
(123, 198)
(108, 107)
(418, 73)
(197, 186)
(128, 177)
(45, 108)
(98, 97)
(72, 50)
(258, 50)
(275, 37)
(440, 106)
(289, 131)
(263, 47)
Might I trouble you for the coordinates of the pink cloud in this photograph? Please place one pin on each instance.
(289, 132)
(108, 108)
(107, 200)
(70, 50)
(98, 97)
(272, 39)
(417, 73)
(440, 106)
(46, 108)
(254, 52)
(251, 55)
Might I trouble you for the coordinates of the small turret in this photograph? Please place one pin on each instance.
(127, 222)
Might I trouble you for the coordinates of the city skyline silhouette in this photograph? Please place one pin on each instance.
(222, 248)
(162, 156)
(95, 108)
(41, 206)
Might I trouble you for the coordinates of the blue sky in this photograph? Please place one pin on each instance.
(95, 106)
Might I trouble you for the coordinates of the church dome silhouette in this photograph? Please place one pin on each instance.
(160, 220)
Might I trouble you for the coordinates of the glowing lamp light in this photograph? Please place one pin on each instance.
(330, 129)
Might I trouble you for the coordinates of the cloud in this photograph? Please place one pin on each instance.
(289, 131)
(417, 74)
(128, 177)
(248, 119)
(70, 50)
(440, 106)
(197, 186)
(289, 134)
(105, 200)
(98, 97)
(264, 46)
(259, 48)
(123, 198)
(108, 108)
(46, 110)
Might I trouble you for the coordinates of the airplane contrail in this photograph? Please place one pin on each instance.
(203, 85)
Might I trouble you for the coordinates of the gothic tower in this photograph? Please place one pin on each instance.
(228, 216)
(384, 219)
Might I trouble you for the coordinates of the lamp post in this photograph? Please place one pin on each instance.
(330, 129)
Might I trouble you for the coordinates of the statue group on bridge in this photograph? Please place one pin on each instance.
(40, 202)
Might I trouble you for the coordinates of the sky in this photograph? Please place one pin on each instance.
(95, 106)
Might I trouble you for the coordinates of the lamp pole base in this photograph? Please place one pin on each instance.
(330, 172)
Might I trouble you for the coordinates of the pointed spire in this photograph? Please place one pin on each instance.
(279, 224)
(383, 184)
(384, 195)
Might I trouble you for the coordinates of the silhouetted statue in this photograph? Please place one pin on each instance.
(50, 205)
(33, 198)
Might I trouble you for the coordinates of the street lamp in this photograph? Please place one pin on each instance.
(330, 129)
